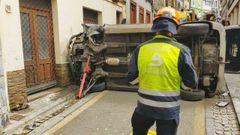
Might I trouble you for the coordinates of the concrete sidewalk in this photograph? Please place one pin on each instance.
(233, 85)
(42, 109)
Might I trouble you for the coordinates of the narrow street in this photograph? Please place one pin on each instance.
(110, 114)
(74, 67)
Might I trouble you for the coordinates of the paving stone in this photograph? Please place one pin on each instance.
(219, 129)
(231, 118)
(217, 118)
(235, 126)
(224, 119)
(218, 121)
(234, 122)
(218, 125)
(227, 133)
(227, 129)
(235, 133)
(236, 129)
(224, 113)
(219, 132)
(225, 122)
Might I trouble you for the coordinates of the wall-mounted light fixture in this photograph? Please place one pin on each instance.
(8, 8)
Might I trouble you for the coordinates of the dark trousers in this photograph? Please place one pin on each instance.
(141, 124)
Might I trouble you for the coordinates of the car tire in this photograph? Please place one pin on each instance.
(98, 87)
(192, 29)
(196, 95)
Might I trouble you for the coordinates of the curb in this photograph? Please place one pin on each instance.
(12, 128)
(235, 100)
(236, 104)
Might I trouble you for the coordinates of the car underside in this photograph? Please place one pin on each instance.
(109, 48)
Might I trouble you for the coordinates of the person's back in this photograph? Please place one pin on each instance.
(160, 64)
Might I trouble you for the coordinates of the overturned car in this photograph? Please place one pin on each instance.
(100, 55)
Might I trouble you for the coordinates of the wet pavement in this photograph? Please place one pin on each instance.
(111, 115)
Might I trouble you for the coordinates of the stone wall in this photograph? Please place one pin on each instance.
(17, 90)
(63, 75)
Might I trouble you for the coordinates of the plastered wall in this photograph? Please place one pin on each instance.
(10, 33)
(68, 17)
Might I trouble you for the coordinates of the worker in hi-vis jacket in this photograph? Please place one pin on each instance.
(160, 65)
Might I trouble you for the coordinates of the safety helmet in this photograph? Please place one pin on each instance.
(168, 13)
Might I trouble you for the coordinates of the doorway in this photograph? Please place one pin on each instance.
(90, 16)
(38, 47)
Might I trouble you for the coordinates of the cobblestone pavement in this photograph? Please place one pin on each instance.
(221, 120)
(233, 85)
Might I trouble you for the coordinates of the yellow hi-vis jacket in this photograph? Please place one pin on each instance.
(158, 73)
(162, 63)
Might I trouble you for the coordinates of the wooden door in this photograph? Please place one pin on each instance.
(148, 18)
(141, 15)
(44, 47)
(37, 46)
(118, 17)
(133, 13)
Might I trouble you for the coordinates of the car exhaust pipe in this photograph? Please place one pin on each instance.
(112, 61)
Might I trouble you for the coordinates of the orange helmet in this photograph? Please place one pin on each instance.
(168, 13)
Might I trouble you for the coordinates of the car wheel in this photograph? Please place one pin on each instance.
(195, 95)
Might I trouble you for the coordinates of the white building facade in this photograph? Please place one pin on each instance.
(34, 37)
(139, 11)
(231, 11)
